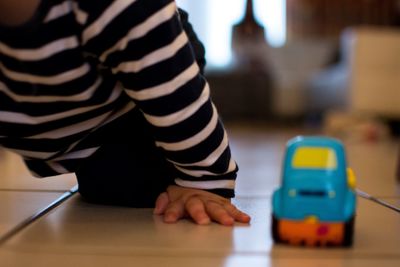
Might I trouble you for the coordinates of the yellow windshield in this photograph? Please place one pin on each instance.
(315, 158)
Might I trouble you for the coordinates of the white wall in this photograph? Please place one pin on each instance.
(374, 60)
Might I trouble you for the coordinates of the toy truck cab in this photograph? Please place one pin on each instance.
(315, 204)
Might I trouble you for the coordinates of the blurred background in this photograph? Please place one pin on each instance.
(321, 63)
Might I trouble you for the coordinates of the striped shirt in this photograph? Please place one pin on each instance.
(78, 65)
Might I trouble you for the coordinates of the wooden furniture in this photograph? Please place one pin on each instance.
(327, 18)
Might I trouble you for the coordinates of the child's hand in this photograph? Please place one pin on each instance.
(202, 206)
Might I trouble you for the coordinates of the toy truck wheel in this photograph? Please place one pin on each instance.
(275, 229)
(349, 232)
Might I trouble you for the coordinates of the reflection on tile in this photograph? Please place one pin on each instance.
(17, 206)
(15, 176)
(259, 154)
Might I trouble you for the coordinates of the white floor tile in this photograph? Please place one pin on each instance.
(22, 259)
(78, 227)
(17, 206)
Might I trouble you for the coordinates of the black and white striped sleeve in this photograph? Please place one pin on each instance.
(144, 45)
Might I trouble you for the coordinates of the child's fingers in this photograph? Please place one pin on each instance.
(219, 214)
(237, 214)
(195, 207)
(161, 203)
(174, 211)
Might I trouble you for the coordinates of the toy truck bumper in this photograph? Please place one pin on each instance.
(311, 233)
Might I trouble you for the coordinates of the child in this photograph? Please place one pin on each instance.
(111, 90)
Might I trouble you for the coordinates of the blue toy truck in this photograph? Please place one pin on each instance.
(316, 202)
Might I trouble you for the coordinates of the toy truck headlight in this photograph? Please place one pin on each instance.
(292, 193)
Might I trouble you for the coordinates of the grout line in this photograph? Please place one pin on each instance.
(32, 190)
(267, 196)
(245, 196)
(38, 215)
(352, 256)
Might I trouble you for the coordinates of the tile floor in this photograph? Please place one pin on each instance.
(79, 234)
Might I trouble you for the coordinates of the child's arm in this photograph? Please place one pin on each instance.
(143, 44)
(198, 47)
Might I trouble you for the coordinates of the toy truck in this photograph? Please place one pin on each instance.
(316, 202)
